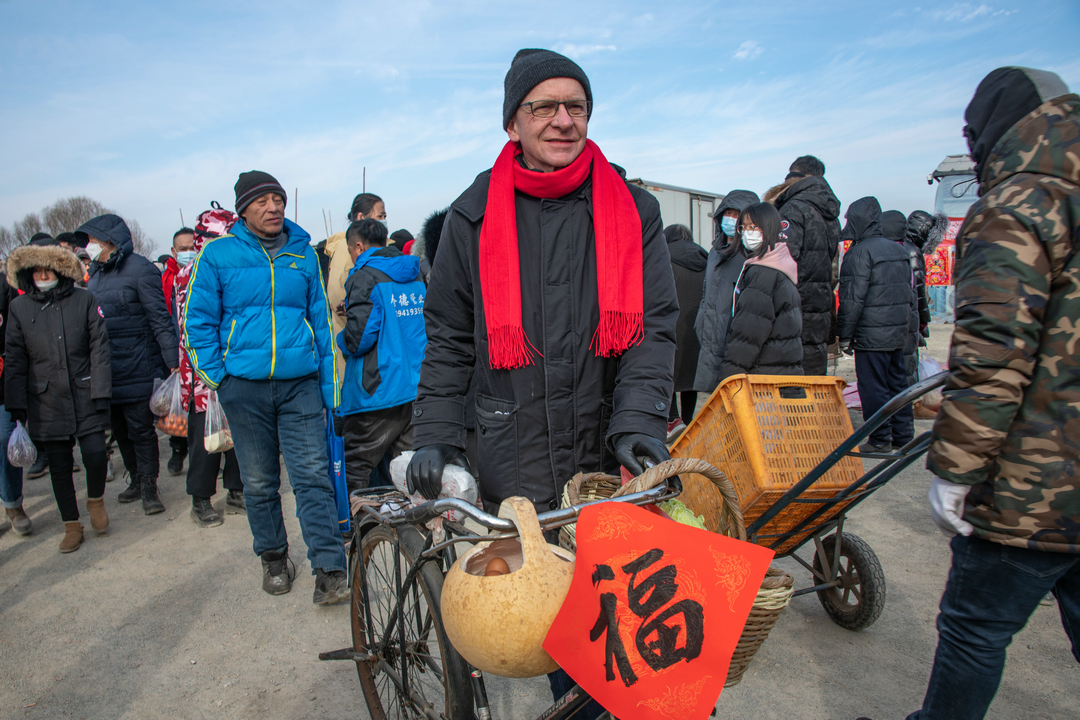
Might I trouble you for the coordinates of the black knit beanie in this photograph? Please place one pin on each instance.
(255, 184)
(532, 67)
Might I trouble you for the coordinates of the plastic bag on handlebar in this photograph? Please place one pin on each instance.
(456, 483)
(929, 367)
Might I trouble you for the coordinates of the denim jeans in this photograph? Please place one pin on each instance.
(11, 477)
(263, 416)
(993, 589)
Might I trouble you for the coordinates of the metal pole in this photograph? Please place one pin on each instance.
(296, 206)
(182, 223)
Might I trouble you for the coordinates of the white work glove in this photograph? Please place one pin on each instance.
(947, 507)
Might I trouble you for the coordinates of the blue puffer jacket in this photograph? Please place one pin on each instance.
(259, 318)
(384, 337)
(143, 343)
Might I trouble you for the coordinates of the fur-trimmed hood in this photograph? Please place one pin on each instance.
(22, 261)
(774, 192)
(926, 231)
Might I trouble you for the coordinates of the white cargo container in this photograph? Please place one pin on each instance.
(683, 206)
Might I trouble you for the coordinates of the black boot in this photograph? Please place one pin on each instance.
(277, 572)
(176, 463)
(235, 501)
(133, 491)
(40, 466)
(151, 504)
(203, 513)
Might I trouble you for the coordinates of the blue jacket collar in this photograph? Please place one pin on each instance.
(298, 240)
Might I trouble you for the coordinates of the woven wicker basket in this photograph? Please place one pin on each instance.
(777, 587)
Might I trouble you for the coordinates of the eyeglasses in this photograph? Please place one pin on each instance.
(742, 228)
(550, 108)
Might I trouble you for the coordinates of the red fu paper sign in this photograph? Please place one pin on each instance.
(654, 612)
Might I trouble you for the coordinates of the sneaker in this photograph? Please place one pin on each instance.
(675, 429)
(278, 572)
(176, 463)
(331, 587)
(875, 449)
(40, 466)
(203, 513)
(897, 446)
(20, 521)
(234, 502)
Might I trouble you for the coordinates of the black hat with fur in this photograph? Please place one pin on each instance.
(24, 260)
(926, 231)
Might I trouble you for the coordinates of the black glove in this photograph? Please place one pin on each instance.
(848, 346)
(102, 405)
(424, 474)
(630, 446)
(18, 416)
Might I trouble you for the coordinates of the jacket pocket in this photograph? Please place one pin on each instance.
(39, 386)
(312, 331)
(497, 447)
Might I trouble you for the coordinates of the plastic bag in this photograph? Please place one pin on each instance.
(21, 451)
(174, 420)
(456, 482)
(929, 367)
(216, 434)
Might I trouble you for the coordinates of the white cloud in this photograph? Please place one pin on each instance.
(964, 12)
(748, 50)
(578, 51)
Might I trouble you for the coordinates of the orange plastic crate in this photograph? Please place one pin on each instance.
(766, 433)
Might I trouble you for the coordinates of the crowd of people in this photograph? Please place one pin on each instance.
(563, 329)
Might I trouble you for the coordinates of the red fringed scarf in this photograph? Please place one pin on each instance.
(617, 228)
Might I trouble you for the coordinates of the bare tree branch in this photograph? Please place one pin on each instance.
(66, 215)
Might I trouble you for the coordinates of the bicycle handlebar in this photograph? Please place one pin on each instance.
(431, 509)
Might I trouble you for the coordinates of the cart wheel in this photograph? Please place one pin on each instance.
(860, 596)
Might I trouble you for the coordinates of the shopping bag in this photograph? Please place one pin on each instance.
(21, 451)
(929, 367)
(335, 451)
(170, 397)
(216, 434)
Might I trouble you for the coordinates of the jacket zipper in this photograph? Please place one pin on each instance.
(273, 315)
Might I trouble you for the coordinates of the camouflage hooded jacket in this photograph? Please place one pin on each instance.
(1010, 422)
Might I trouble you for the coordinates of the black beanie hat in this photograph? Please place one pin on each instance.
(1002, 99)
(42, 240)
(533, 66)
(253, 185)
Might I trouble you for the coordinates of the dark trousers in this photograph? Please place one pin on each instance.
(369, 435)
(688, 401)
(133, 430)
(62, 463)
(179, 445)
(203, 466)
(992, 591)
(882, 376)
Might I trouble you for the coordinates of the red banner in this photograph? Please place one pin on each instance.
(654, 612)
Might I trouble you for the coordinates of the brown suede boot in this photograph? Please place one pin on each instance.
(99, 519)
(20, 523)
(73, 537)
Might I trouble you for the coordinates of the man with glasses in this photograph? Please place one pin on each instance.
(553, 295)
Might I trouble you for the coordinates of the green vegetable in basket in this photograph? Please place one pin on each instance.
(682, 514)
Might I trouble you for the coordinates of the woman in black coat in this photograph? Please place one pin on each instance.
(57, 376)
(688, 261)
(765, 335)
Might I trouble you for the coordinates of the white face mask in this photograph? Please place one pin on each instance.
(383, 224)
(93, 250)
(46, 285)
(752, 239)
(184, 257)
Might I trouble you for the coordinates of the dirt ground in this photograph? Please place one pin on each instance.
(159, 618)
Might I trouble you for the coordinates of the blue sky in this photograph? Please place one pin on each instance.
(152, 107)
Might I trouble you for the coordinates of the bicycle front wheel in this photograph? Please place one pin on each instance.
(415, 672)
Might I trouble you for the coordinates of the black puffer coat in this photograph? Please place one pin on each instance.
(688, 261)
(538, 425)
(57, 356)
(808, 213)
(7, 294)
(765, 337)
(721, 274)
(142, 336)
(877, 296)
(894, 227)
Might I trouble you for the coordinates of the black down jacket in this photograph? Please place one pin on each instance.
(538, 425)
(7, 294)
(688, 267)
(877, 296)
(808, 213)
(765, 337)
(894, 227)
(56, 367)
(724, 267)
(142, 336)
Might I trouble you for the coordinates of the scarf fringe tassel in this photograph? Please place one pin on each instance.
(509, 348)
(617, 332)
